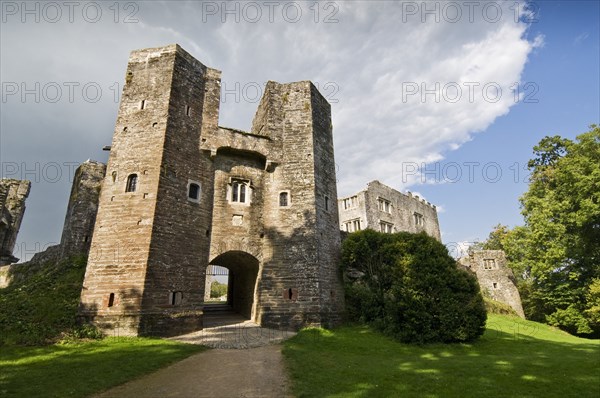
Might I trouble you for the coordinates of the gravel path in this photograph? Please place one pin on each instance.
(218, 373)
(246, 362)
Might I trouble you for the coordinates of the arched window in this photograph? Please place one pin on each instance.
(240, 191)
(194, 191)
(132, 181)
(284, 199)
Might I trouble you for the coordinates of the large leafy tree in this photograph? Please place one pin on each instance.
(409, 287)
(556, 254)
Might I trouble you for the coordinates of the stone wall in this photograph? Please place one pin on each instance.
(495, 278)
(385, 209)
(13, 194)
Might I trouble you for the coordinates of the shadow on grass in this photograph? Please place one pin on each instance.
(512, 359)
(81, 369)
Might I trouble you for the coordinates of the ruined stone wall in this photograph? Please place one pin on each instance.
(79, 221)
(495, 278)
(13, 194)
(82, 208)
(405, 212)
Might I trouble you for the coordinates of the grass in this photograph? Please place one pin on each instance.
(78, 370)
(514, 358)
(41, 304)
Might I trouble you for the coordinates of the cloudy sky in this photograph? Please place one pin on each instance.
(441, 98)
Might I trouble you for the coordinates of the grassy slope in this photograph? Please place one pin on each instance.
(39, 308)
(77, 370)
(514, 358)
(42, 303)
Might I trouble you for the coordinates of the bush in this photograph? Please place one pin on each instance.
(407, 286)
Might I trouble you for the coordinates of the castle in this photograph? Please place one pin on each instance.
(387, 210)
(181, 195)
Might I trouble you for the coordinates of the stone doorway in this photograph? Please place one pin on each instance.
(241, 282)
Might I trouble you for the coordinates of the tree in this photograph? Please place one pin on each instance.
(218, 289)
(409, 287)
(556, 254)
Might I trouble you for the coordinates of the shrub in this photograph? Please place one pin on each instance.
(407, 286)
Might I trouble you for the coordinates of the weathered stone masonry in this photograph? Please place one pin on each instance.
(495, 278)
(78, 225)
(13, 194)
(385, 209)
(181, 193)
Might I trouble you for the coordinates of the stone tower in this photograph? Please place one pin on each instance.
(181, 193)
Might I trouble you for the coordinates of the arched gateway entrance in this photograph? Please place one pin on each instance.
(243, 272)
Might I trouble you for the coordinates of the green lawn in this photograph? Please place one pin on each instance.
(77, 370)
(514, 358)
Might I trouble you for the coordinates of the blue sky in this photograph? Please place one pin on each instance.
(365, 62)
(566, 74)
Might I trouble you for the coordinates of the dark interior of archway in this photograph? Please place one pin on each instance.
(243, 271)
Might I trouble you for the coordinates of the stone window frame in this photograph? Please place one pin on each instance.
(189, 185)
(288, 199)
(350, 202)
(132, 183)
(353, 225)
(384, 205)
(419, 219)
(489, 264)
(386, 227)
(247, 191)
(111, 300)
(175, 297)
(290, 294)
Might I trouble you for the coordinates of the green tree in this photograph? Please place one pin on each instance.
(556, 254)
(218, 289)
(407, 286)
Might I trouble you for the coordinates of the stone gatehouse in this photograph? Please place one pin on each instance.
(182, 193)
